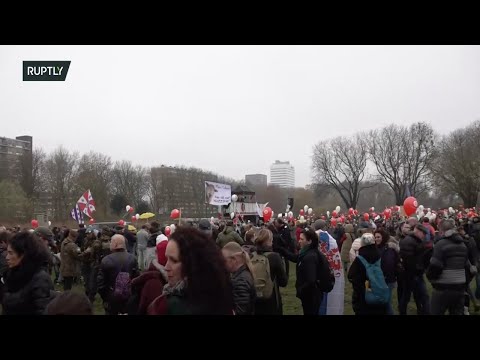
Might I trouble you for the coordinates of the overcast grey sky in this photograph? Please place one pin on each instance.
(233, 109)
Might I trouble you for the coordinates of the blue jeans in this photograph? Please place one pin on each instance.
(416, 285)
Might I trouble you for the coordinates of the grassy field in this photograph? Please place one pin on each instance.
(292, 305)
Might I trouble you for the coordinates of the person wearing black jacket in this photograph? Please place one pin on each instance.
(412, 251)
(239, 266)
(447, 271)
(81, 234)
(28, 287)
(118, 261)
(308, 262)
(357, 275)
(263, 246)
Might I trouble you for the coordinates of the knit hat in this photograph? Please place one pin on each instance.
(161, 238)
(161, 249)
(319, 224)
(367, 239)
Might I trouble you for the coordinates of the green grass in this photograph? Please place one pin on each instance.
(291, 305)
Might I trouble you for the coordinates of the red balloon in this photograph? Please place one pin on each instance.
(334, 214)
(301, 212)
(134, 218)
(387, 213)
(91, 221)
(34, 223)
(131, 209)
(323, 217)
(175, 214)
(350, 211)
(267, 214)
(374, 215)
(410, 205)
(366, 217)
(121, 222)
(333, 222)
(342, 219)
(168, 230)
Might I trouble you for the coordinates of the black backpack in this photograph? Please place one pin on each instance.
(325, 274)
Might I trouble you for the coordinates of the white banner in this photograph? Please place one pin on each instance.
(217, 194)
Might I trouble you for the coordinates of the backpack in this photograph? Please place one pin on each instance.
(325, 274)
(261, 276)
(377, 292)
(122, 289)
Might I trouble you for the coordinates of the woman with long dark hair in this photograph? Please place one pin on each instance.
(198, 281)
(27, 284)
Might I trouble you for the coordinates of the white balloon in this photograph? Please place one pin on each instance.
(234, 197)
(172, 228)
(49, 223)
(429, 210)
(302, 218)
(232, 215)
(279, 216)
(337, 209)
(310, 211)
(434, 216)
(451, 211)
(128, 207)
(328, 213)
(211, 219)
(305, 208)
(290, 214)
(137, 216)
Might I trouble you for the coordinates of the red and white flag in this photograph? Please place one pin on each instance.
(86, 204)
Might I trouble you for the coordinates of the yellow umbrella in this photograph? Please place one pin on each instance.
(147, 215)
(132, 228)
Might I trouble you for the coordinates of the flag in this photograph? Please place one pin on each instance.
(77, 214)
(259, 212)
(86, 204)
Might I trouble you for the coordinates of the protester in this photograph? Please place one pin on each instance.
(150, 252)
(198, 282)
(70, 303)
(4, 238)
(412, 252)
(131, 240)
(238, 264)
(390, 260)
(28, 287)
(149, 285)
(205, 227)
(228, 235)
(70, 255)
(86, 258)
(263, 252)
(357, 275)
(142, 239)
(447, 271)
(346, 247)
(114, 276)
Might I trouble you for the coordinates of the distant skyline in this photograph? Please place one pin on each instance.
(233, 110)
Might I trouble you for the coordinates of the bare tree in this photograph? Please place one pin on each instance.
(38, 171)
(60, 174)
(457, 165)
(130, 181)
(401, 156)
(341, 163)
(95, 172)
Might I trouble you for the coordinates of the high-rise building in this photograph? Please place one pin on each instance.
(16, 160)
(282, 174)
(256, 179)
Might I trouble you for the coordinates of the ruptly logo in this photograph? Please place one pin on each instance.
(45, 70)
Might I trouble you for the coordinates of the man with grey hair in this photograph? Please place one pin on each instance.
(446, 271)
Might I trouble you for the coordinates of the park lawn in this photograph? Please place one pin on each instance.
(291, 305)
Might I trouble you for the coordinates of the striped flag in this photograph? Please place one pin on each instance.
(77, 214)
(86, 204)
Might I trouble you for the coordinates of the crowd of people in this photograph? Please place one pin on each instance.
(223, 268)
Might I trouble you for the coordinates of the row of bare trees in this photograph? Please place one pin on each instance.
(409, 160)
(61, 177)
